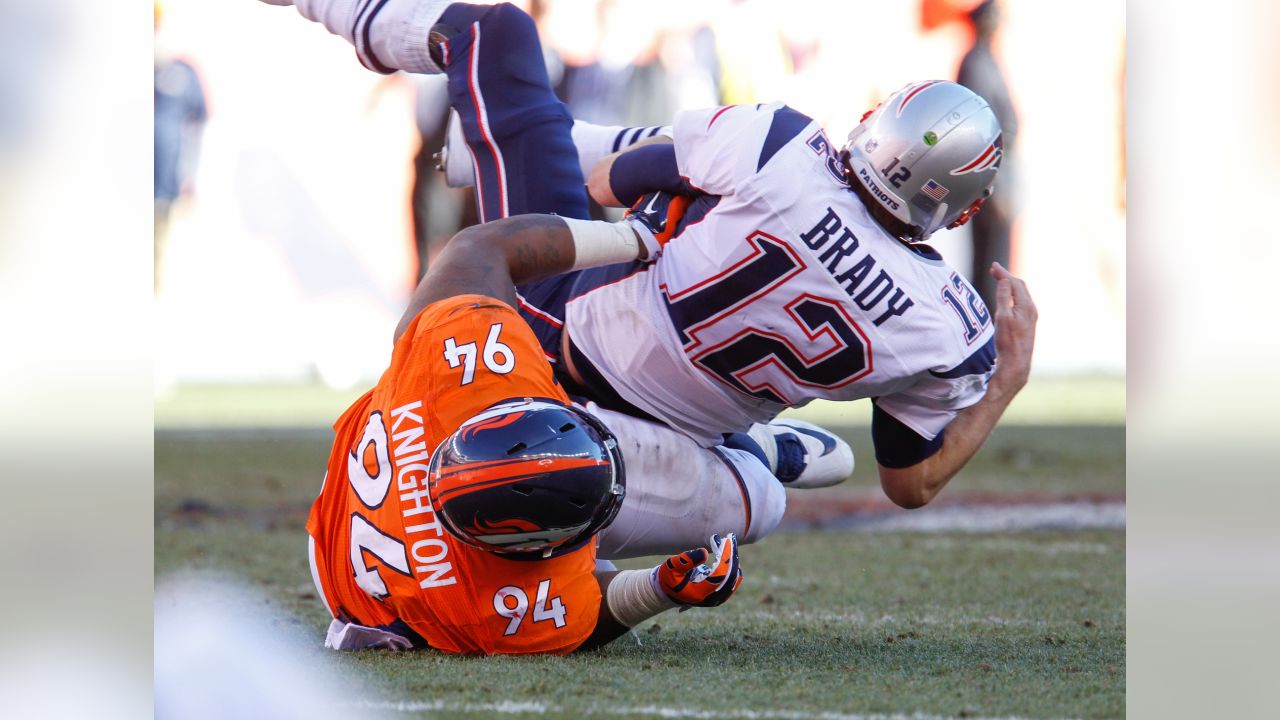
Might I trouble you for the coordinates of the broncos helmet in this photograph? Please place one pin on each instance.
(529, 477)
(927, 156)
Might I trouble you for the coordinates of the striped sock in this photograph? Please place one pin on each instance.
(596, 141)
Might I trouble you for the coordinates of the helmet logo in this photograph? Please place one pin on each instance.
(492, 423)
(871, 146)
(988, 159)
(914, 92)
(931, 138)
(934, 190)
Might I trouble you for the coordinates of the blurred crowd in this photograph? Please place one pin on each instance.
(289, 118)
(615, 62)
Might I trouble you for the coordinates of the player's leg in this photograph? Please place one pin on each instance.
(518, 136)
(388, 35)
(517, 132)
(593, 142)
(679, 493)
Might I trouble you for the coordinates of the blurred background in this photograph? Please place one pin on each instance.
(83, 324)
(295, 192)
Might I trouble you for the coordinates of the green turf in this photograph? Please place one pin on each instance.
(1064, 400)
(272, 465)
(1055, 459)
(1026, 624)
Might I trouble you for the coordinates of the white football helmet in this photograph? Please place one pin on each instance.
(928, 155)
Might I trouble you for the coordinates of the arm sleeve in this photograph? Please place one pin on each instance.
(644, 170)
(709, 145)
(898, 446)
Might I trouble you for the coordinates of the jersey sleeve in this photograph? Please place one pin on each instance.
(929, 405)
(715, 147)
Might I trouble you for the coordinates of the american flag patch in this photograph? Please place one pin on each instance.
(934, 190)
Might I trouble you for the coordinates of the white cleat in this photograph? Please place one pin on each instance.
(803, 455)
(454, 159)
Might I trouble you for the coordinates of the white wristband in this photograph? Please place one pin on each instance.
(633, 597)
(597, 243)
(647, 238)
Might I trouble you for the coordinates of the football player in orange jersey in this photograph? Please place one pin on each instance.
(463, 494)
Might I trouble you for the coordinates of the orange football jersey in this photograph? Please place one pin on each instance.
(380, 552)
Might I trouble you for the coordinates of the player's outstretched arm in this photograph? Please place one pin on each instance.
(702, 577)
(619, 184)
(1015, 319)
(490, 259)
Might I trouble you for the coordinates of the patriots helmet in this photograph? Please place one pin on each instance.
(925, 158)
(527, 477)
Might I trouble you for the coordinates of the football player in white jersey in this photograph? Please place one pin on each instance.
(797, 272)
(780, 270)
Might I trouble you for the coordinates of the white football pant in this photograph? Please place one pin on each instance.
(679, 493)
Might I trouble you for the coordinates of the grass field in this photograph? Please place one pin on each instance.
(833, 620)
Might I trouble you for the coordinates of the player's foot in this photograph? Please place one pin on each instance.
(454, 160)
(803, 455)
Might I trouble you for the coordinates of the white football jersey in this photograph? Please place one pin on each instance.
(780, 289)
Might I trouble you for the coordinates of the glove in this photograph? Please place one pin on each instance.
(702, 577)
(655, 217)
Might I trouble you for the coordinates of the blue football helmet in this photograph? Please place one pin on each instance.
(528, 477)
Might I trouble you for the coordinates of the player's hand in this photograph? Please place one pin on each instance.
(655, 217)
(702, 577)
(1015, 329)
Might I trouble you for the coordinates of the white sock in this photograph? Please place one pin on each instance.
(397, 35)
(596, 141)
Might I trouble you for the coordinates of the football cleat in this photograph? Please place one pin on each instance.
(454, 159)
(803, 455)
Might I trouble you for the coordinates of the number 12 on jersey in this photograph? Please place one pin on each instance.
(464, 355)
(972, 311)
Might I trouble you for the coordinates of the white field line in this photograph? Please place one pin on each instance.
(512, 707)
(1000, 518)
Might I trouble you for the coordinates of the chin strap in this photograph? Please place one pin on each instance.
(969, 212)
